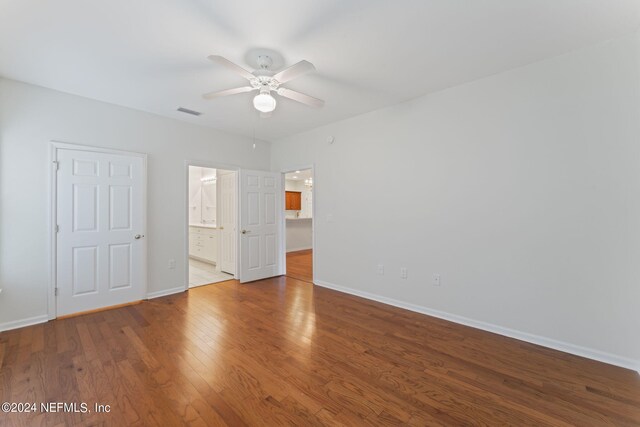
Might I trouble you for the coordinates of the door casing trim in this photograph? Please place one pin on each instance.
(54, 146)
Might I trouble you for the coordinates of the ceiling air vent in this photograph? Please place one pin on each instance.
(187, 111)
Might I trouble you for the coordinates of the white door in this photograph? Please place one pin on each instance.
(227, 221)
(100, 239)
(260, 205)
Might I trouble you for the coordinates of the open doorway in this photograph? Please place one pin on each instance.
(298, 207)
(212, 202)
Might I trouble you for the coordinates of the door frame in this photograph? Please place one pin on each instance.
(54, 146)
(283, 243)
(210, 165)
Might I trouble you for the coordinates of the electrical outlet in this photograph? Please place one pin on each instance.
(172, 264)
(381, 269)
(436, 279)
(403, 272)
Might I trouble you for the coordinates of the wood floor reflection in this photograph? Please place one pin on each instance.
(283, 352)
(300, 265)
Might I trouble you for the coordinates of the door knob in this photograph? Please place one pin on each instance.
(221, 228)
(138, 236)
(246, 231)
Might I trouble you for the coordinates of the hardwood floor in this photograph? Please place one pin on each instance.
(283, 352)
(300, 265)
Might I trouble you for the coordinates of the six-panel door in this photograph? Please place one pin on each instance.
(100, 262)
(259, 224)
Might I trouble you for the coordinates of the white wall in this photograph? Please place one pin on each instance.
(299, 234)
(293, 185)
(195, 194)
(522, 190)
(30, 117)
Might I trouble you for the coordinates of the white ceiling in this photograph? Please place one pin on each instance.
(151, 54)
(300, 176)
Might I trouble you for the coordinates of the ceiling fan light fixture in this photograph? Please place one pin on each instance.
(264, 102)
(265, 81)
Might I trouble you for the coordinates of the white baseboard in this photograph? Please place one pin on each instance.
(165, 292)
(589, 353)
(15, 324)
(304, 248)
(205, 260)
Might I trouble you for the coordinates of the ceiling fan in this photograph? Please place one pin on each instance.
(266, 81)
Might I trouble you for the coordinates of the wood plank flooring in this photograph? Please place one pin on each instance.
(284, 352)
(300, 265)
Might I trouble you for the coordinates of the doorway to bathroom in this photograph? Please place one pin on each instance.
(212, 215)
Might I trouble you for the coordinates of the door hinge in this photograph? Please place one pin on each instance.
(55, 291)
(57, 164)
(57, 228)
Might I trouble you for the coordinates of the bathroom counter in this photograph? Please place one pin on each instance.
(203, 225)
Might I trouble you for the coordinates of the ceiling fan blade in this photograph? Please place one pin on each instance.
(265, 115)
(231, 66)
(294, 71)
(227, 92)
(300, 97)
